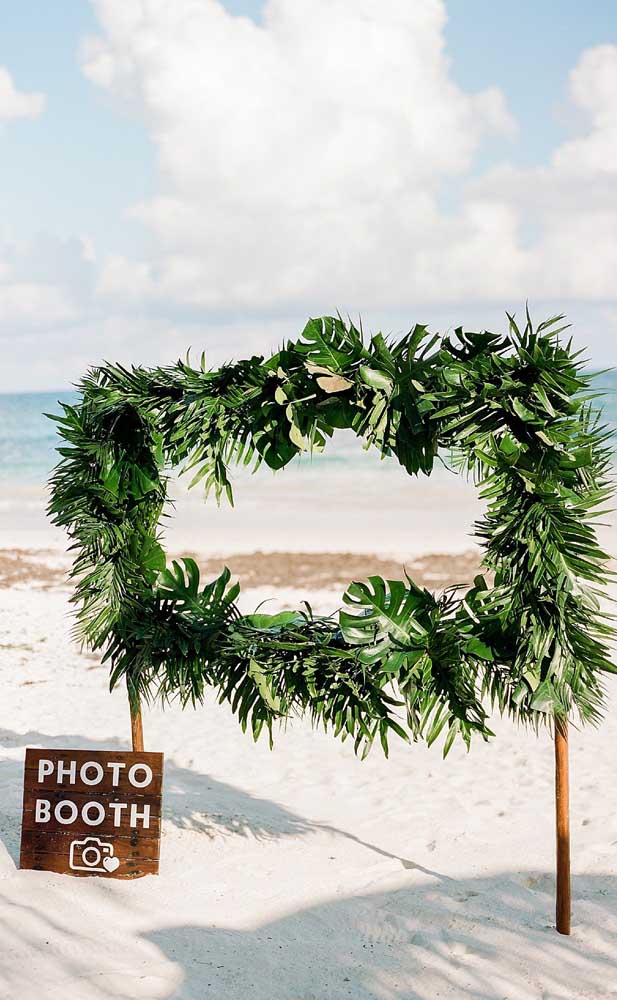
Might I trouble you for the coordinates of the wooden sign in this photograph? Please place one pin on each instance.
(89, 812)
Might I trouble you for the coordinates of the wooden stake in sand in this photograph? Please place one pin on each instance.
(137, 729)
(562, 825)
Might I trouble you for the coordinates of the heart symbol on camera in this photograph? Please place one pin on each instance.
(110, 864)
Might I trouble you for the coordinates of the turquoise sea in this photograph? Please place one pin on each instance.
(28, 439)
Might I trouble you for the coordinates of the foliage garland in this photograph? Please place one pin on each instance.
(514, 411)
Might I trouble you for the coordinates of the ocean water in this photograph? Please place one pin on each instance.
(28, 439)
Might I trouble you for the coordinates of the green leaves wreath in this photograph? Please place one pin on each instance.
(515, 412)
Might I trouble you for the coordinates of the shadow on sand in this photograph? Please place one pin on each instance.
(469, 939)
(480, 938)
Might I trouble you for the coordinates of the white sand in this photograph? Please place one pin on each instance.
(303, 873)
(308, 507)
(304, 508)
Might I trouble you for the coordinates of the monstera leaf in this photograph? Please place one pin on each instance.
(387, 618)
(180, 586)
(327, 342)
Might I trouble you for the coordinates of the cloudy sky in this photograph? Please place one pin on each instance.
(179, 173)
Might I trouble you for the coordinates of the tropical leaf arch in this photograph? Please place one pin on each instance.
(514, 411)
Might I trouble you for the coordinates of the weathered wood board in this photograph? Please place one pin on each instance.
(92, 812)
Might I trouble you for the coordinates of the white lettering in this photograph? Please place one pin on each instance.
(71, 771)
(65, 820)
(144, 815)
(140, 767)
(83, 772)
(117, 808)
(42, 811)
(45, 767)
(85, 813)
(114, 767)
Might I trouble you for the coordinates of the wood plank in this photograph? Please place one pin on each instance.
(104, 758)
(55, 795)
(105, 787)
(136, 845)
(59, 863)
(106, 828)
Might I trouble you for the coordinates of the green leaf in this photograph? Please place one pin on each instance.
(475, 647)
(266, 623)
(263, 685)
(376, 379)
(545, 699)
(297, 437)
(383, 612)
(111, 480)
(152, 555)
(509, 448)
(323, 339)
(523, 411)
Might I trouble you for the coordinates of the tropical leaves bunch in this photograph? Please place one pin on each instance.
(514, 411)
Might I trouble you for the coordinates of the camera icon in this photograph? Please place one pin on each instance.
(92, 855)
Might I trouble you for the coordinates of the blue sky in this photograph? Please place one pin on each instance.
(77, 170)
(98, 161)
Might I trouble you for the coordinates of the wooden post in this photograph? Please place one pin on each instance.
(562, 826)
(137, 729)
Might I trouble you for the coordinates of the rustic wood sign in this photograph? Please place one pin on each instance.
(89, 812)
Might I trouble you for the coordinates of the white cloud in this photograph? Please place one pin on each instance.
(301, 163)
(43, 284)
(300, 160)
(570, 205)
(302, 167)
(14, 103)
(593, 89)
(28, 304)
(125, 279)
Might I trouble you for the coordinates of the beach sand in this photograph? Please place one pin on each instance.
(300, 873)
